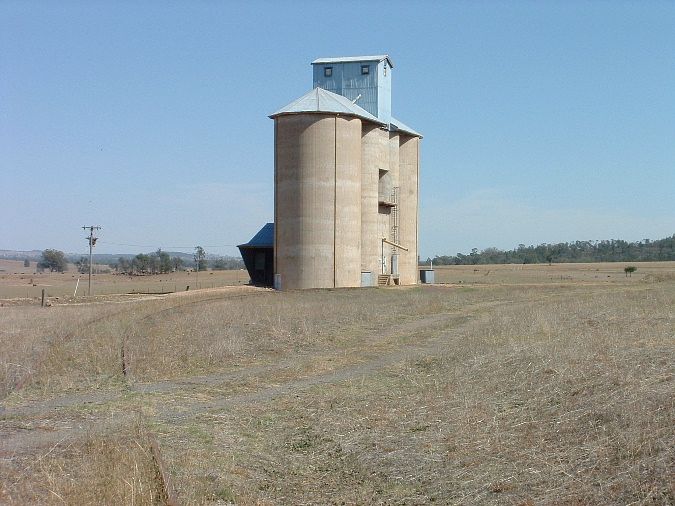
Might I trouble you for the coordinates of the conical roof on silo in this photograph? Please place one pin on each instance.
(397, 125)
(322, 101)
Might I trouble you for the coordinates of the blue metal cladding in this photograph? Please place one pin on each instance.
(263, 239)
(384, 91)
(331, 83)
(371, 90)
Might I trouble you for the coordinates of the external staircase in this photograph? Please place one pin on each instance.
(387, 280)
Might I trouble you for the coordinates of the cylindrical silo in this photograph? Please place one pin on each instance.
(317, 200)
(408, 195)
(347, 251)
(374, 158)
(388, 215)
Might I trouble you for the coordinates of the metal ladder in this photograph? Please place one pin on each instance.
(394, 217)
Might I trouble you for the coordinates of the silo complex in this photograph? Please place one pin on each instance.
(346, 182)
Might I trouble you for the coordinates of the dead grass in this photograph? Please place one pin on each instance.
(269, 326)
(544, 393)
(29, 336)
(77, 347)
(659, 277)
(112, 468)
(563, 401)
(601, 273)
(247, 330)
(17, 281)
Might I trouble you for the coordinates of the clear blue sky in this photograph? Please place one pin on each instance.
(542, 121)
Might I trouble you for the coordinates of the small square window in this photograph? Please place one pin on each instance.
(327, 71)
(365, 69)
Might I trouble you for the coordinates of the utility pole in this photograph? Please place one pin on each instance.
(92, 243)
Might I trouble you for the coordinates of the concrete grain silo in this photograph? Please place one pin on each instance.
(408, 203)
(346, 182)
(318, 200)
(374, 156)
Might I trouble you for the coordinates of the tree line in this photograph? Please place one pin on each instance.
(161, 262)
(614, 250)
(158, 262)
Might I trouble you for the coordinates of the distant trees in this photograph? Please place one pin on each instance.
(474, 256)
(629, 270)
(615, 250)
(159, 262)
(219, 264)
(141, 264)
(54, 260)
(82, 265)
(200, 259)
(177, 263)
(226, 263)
(123, 265)
(164, 260)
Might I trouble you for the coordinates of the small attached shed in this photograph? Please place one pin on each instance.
(258, 256)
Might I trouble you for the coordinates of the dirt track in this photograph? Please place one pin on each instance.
(433, 334)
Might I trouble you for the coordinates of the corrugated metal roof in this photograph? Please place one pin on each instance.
(400, 126)
(320, 100)
(263, 239)
(342, 59)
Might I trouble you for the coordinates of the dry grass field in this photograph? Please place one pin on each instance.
(528, 385)
(593, 273)
(26, 284)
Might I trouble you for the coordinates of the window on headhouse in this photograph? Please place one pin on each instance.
(327, 71)
(365, 69)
